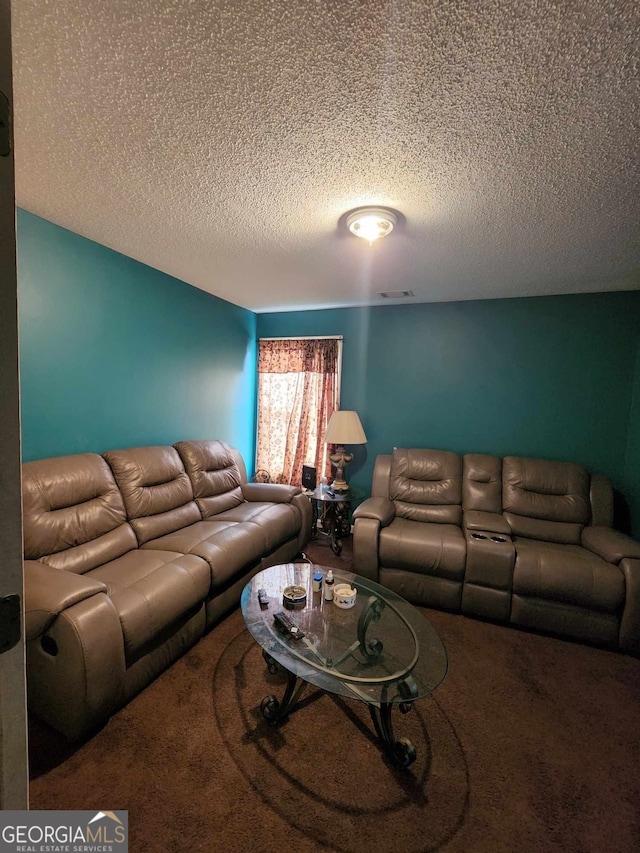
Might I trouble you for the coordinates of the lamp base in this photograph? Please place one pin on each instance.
(340, 458)
(340, 485)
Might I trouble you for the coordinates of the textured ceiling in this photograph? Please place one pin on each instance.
(221, 142)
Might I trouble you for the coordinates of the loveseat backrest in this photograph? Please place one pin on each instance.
(426, 485)
(482, 482)
(156, 490)
(545, 500)
(381, 476)
(215, 475)
(74, 515)
(601, 499)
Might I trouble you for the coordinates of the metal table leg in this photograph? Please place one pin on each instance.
(273, 709)
(401, 752)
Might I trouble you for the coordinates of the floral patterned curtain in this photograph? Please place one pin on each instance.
(297, 394)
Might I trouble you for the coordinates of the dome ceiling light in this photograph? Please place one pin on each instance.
(370, 223)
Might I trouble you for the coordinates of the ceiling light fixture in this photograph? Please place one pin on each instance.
(370, 223)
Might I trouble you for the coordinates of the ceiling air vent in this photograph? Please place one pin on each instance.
(396, 294)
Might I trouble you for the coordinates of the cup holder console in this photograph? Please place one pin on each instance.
(494, 537)
(488, 574)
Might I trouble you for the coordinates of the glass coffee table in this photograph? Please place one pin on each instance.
(381, 651)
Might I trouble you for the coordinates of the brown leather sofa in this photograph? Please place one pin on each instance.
(523, 541)
(129, 558)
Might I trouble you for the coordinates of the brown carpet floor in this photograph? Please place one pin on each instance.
(530, 744)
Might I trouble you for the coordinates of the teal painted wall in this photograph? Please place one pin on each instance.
(546, 377)
(116, 354)
(632, 466)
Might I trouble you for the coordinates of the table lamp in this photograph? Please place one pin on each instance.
(343, 428)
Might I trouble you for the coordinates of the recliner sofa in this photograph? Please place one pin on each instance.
(129, 558)
(528, 542)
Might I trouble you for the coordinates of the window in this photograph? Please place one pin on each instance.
(298, 391)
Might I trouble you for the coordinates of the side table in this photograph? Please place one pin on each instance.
(332, 509)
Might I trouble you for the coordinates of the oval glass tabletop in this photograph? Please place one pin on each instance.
(381, 650)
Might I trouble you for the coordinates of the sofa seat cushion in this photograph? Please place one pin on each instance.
(567, 573)
(229, 547)
(279, 522)
(150, 591)
(418, 546)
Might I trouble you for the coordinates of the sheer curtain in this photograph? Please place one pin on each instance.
(297, 394)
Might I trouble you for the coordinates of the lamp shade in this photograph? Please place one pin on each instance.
(345, 428)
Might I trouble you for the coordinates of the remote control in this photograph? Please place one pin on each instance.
(284, 624)
(263, 598)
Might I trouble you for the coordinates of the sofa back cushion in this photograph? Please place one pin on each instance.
(545, 500)
(214, 475)
(74, 515)
(426, 485)
(157, 492)
(482, 482)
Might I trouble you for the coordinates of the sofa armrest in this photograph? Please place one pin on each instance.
(372, 515)
(630, 621)
(303, 505)
(76, 672)
(49, 591)
(610, 544)
(272, 492)
(379, 509)
(490, 522)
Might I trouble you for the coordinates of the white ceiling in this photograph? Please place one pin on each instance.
(221, 141)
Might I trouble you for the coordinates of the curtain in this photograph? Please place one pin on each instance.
(297, 394)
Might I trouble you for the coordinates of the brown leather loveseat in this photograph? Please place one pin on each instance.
(523, 541)
(129, 558)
